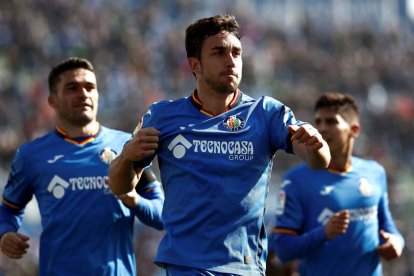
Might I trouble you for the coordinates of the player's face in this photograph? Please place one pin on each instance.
(76, 98)
(337, 132)
(220, 67)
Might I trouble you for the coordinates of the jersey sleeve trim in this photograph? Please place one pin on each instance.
(285, 231)
(10, 204)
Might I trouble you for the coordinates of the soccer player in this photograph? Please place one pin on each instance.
(215, 151)
(85, 229)
(336, 221)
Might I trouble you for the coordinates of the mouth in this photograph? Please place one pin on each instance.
(83, 106)
(230, 75)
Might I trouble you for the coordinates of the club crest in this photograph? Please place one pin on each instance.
(107, 155)
(234, 123)
(365, 187)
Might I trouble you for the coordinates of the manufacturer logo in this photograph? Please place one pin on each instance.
(179, 146)
(327, 190)
(54, 159)
(107, 155)
(57, 186)
(234, 123)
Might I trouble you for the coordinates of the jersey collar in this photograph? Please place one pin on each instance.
(347, 169)
(77, 140)
(199, 104)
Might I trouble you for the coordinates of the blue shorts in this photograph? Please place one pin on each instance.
(176, 270)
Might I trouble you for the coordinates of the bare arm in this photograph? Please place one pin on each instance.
(309, 145)
(121, 170)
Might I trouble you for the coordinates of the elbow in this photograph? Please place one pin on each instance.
(282, 248)
(159, 224)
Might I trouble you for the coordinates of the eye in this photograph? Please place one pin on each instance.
(237, 53)
(90, 87)
(71, 86)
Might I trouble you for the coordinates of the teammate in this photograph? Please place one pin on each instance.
(215, 152)
(86, 230)
(337, 221)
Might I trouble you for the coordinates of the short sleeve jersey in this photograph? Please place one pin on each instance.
(215, 171)
(86, 230)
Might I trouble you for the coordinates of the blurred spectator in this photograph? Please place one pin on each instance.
(292, 50)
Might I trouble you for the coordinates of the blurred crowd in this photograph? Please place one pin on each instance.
(138, 51)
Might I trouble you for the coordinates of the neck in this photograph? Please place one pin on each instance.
(340, 163)
(215, 102)
(77, 131)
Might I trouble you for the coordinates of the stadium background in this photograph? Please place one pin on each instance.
(293, 50)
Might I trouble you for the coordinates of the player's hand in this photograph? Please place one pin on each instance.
(391, 248)
(14, 244)
(143, 144)
(337, 224)
(130, 199)
(308, 135)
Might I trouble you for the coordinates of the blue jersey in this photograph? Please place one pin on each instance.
(86, 230)
(307, 200)
(215, 172)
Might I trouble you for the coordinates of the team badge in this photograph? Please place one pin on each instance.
(365, 187)
(234, 123)
(107, 155)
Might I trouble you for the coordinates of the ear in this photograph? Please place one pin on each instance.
(195, 65)
(355, 130)
(51, 99)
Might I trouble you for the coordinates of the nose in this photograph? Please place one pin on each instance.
(84, 91)
(231, 60)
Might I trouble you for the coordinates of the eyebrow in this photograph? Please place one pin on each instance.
(225, 47)
(78, 82)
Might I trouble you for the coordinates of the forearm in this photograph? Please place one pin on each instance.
(150, 202)
(290, 247)
(121, 175)
(316, 159)
(149, 212)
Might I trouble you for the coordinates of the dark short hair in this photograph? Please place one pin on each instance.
(66, 65)
(344, 104)
(203, 28)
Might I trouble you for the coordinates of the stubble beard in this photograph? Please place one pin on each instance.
(222, 88)
(79, 119)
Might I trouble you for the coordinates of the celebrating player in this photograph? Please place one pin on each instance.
(215, 152)
(86, 230)
(337, 221)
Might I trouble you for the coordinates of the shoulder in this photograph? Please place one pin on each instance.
(298, 171)
(270, 105)
(37, 143)
(114, 132)
(367, 165)
(169, 104)
(34, 150)
(113, 137)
